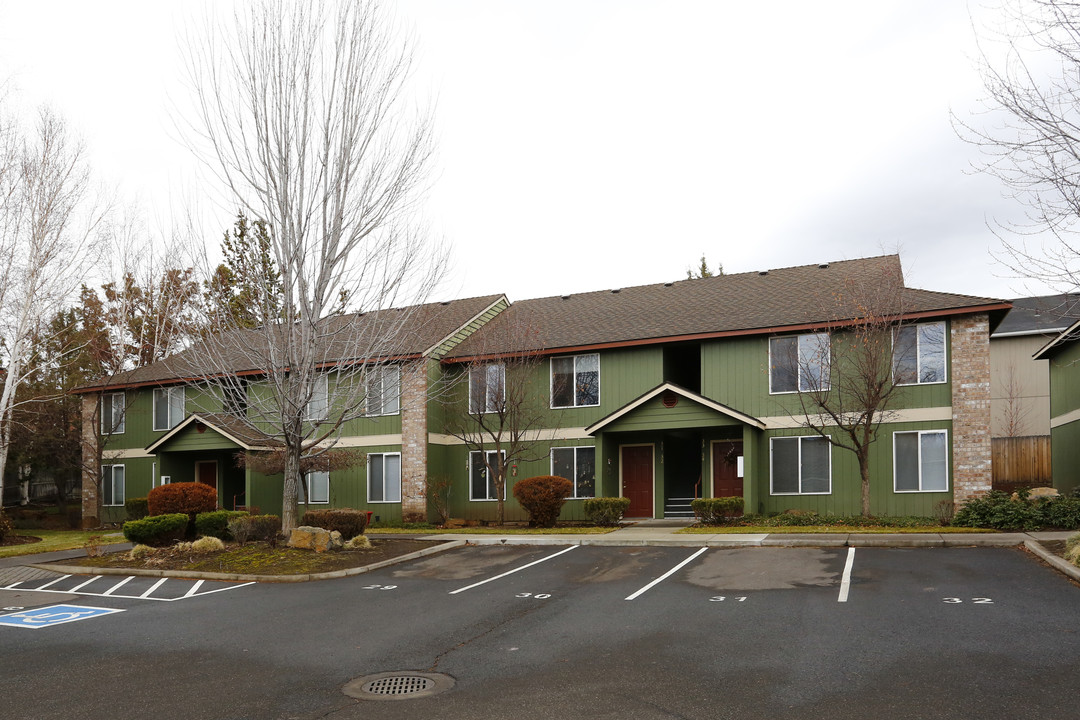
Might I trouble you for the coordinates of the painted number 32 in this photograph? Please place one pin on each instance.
(976, 601)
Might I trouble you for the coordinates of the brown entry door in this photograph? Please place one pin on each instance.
(206, 473)
(725, 468)
(637, 479)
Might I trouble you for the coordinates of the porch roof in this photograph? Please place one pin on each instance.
(677, 392)
(229, 427)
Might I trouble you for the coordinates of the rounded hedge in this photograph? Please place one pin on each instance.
(190, 498)
(543, 497)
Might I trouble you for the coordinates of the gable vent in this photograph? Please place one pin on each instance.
(824, 266)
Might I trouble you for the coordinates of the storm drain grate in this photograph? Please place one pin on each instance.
(398, 685)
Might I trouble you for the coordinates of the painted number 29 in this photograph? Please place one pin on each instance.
(379, 587)
(723, 598)
(975, 601)
(536, 596)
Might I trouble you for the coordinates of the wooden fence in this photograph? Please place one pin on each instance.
(1020, 462)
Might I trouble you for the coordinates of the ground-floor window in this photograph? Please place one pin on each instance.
(481, 477)
(921, 461)
(112, 485)
(384, 477)
(801, 466)
(578, 465)
(318, 486)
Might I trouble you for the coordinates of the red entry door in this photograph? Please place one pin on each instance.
(206, 473)
(726, 458)
(637, 479)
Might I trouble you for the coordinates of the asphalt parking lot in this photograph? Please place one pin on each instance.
(579, 631)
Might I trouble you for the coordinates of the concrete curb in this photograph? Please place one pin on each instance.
(242, 577)
(1053, 560)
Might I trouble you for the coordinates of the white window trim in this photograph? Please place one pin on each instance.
(502, 379)
(918, 356)
(827, 380)
(307, 481)
(112, 413)
(920, 433)
(551, 382)
(169, 407)
(772, 465)
(367, 390)
(575, 448)
(486, 453)
(367, 480)
(111, 480)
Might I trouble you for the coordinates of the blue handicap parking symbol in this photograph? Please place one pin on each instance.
(53, 615)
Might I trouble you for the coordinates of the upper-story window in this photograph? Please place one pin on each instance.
(487, 388)
(575, 381)
(234, 398)
(383, 391)
(799, 363)
(113, 406)
(168, 407)
(919, 354)
(318, 405)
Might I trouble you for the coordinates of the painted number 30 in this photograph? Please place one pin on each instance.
(976, 601)
(536, 596)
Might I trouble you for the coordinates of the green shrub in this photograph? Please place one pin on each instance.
(543, 497)
(1061, 512)
(5, 526)
(804, 518)
(157, 529)
(136, 508)
(605, 511)
(216, 524)
(266, 528)
(716, 511)
(182, 497)
(349, 523)
(999, 511)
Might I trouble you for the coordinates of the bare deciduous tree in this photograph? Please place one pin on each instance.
(48, 240)
(1015, 412)
(301, 112)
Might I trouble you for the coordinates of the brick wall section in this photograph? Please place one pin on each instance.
(414, 437)
(970, 336)
(89, 487)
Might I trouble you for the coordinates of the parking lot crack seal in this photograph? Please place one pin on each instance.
(463, 643)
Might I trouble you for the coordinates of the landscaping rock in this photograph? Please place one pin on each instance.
(1038, 493)
(317, 539)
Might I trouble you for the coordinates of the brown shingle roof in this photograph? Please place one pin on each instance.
(424, 327)
(727, 304)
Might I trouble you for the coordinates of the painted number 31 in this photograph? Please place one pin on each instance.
(723, 598)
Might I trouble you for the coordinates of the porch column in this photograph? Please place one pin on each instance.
(414, 436)
(750, 470)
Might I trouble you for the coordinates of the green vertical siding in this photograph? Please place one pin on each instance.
(138, 474)
(1065, 456)
(1065, 381)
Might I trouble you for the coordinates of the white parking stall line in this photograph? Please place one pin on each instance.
(153, 587)
(511, 572)
(53, 582)
(217, 590)
(193, 588)
(666, 575)
(845, 582)
(82, 585)
(119, 585)
(13, 585)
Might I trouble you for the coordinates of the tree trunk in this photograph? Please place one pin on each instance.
(864, 474)
(289, 493)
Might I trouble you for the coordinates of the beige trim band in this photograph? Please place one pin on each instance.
(1069, 417)
(575, 433)
(931, 414)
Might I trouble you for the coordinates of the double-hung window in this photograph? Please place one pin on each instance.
(487, 388)
(113, 406)
(168, 407)
(578, 465)
(384, 478)
(112, 485)
(318, 487)
(801, 465)
(318, 405)
(575, 381)
(482, 477)
(919, 354)
(383, 391)
(799, 363)
(921, 461)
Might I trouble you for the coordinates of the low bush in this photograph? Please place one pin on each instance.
(157, 529)
(190, 498)
(605, 511)
(206, 544)
(136, 508)
(806, 518)
(1061, 512)
(1072, 549)
(1001, 511)
(5, 526)
(266, 528)
(349, 523)
(140, 551)
(716, 511)
(543, 497)
(360, 542)
(216, 523)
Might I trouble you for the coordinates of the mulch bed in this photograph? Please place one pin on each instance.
(261, 559)
(18, 540)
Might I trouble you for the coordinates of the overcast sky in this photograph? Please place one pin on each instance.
(593, 144)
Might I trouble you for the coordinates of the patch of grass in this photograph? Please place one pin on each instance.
(822, 529)
(495, 530)
(55, 540)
